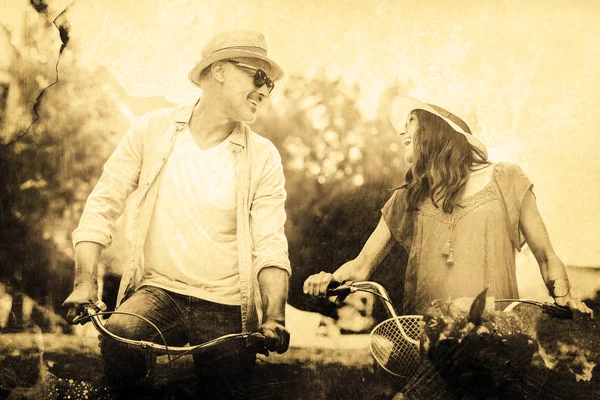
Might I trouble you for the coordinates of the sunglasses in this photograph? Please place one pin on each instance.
(260, 76)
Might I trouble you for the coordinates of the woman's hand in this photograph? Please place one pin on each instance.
(551, 267)
(377, 247)
(576, 305)
(316, 285)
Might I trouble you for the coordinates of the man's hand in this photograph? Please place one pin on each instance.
(86, 292)
(273, 284)
(277, 336)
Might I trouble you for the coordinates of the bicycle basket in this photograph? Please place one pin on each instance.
(395, 345)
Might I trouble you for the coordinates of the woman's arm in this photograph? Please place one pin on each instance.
(552, 268)
(375, 249)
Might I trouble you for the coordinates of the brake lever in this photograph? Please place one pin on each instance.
(87, 310)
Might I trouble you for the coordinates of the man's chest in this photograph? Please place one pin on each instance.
(199, 177)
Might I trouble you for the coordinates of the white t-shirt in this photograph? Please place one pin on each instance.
(191, 247)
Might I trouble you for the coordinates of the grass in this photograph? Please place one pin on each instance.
(74, 365)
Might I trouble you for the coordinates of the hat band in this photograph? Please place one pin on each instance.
(252, 49)
(448, 115)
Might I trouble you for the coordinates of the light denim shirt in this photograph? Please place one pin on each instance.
(137, 164)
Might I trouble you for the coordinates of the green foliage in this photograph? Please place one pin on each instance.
(523, 353)
(49, 171)
(339, 168)
(339, 165)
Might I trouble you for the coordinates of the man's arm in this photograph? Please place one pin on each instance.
(267, 217)
(273, 285)
(104, 205)
(270, 251)
(85, 288)
(120, 177)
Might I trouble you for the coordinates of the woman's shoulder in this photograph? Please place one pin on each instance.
(512, 180)
(396, 198)
(397, 194)
(507, 170)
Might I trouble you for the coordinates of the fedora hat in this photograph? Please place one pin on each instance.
(233, 44)
(402, 106)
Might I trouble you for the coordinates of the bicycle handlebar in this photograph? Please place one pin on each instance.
(552, 309)
(94, 311)
(343, 289)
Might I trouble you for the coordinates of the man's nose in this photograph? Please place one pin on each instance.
(263, 91)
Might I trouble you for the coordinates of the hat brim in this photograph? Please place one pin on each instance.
(275, 74)
(402, 106)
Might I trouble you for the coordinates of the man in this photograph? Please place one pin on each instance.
(209, 255)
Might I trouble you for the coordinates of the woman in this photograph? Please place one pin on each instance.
(459, 216)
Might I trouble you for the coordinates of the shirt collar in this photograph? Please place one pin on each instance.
(184, 114)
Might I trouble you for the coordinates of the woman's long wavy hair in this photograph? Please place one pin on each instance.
(443, 156)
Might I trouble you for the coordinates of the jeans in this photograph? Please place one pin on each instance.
(181, 319)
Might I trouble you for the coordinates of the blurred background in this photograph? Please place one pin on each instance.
(523, 75)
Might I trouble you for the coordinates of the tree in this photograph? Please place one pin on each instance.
(49, 170)
(339, 168)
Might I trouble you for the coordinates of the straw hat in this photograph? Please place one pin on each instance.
(233, 44)
(402, 106)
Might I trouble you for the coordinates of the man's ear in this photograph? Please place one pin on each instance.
(218, 70)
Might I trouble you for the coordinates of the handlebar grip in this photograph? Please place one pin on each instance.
(557, 311)
(333, 285)
(332, 288)
(257, 342)
(339, 289)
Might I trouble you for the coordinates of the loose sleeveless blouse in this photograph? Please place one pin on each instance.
(459, 254)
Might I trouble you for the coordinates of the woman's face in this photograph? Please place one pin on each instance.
(412, 123)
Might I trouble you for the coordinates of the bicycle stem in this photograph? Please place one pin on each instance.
(381, 291)
(385, 299)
